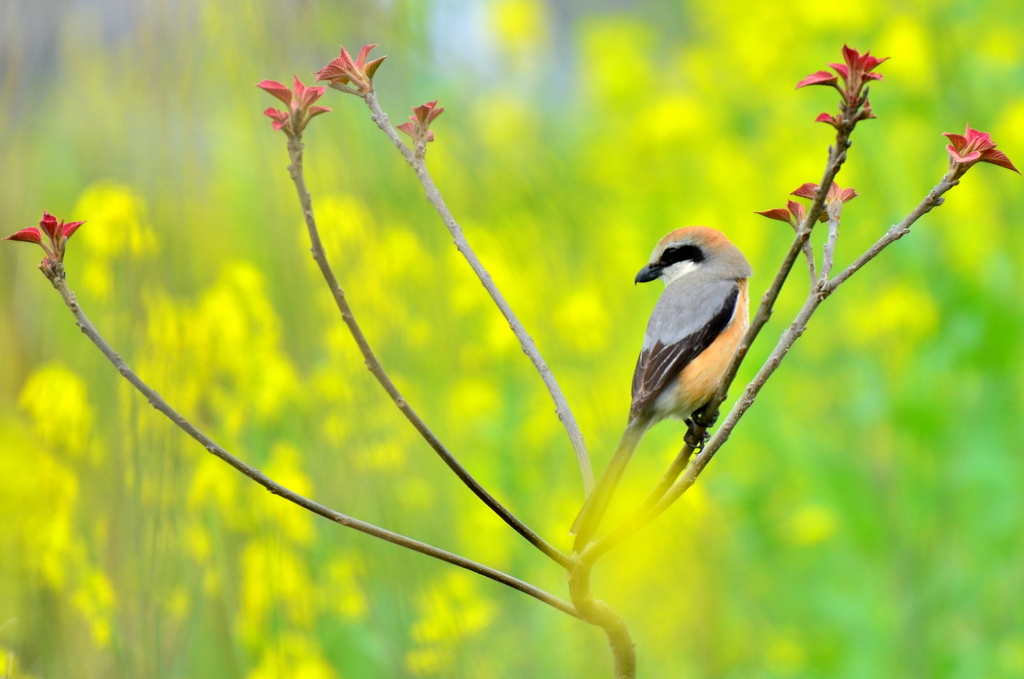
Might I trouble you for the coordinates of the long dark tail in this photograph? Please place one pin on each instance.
(589, 519)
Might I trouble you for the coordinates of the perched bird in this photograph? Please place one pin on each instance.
(691, 339)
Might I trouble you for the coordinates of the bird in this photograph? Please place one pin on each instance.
(691, 338)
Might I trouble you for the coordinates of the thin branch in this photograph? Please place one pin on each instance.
(789, 337)
(295, 147)
(834, 210)
(808, 251)
(895, 232)
(256, 475)
(416, 160)
(668, 478)
(642, 514)
(836, 158)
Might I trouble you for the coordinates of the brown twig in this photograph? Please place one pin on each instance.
(641, 518)
(829, 251)
(808, 251)
(642, 515)
(593, 611)
(417, 161)
(836, 158)
(295, 148)
(895, 232)
(256, 475)
(598, 613)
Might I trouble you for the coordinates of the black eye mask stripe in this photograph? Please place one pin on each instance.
(681, 253)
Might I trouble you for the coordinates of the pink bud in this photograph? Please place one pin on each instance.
(419, 126)
(819, 78)
(797, 209)
(300, 105)
(826, 118)
(56, 233)
(780, 214)
(49, 224)
(280, 118)
(71, 227)
(29, 235)
(805, 191)
(342, 72)
(279, 90)
(974, 147)
(855, 73)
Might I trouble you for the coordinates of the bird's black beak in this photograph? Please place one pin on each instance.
(647, 274)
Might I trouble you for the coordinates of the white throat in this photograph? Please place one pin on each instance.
(670, 274)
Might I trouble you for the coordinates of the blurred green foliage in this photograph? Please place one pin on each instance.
(865, 519)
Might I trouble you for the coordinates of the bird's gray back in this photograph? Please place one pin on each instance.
(687, 305)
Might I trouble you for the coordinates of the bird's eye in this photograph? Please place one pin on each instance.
(681, 253)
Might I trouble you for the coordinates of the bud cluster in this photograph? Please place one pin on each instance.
(973, 147)
(794, 212)
(855, 72)
(299, 101)
(56, 238)
(354, 77)
(418, 126)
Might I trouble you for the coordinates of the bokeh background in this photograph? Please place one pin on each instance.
(865, 520)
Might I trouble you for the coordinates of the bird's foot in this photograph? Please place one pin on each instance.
(692, 439)
(699, 421)
(704, 419)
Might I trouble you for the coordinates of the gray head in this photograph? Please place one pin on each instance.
(691, 249)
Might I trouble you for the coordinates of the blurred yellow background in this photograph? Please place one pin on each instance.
(865, 520)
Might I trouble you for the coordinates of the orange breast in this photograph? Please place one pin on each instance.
(699, 380)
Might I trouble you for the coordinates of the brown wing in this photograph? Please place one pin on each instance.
(660, 363)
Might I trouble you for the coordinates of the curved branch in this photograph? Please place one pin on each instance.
(295, 147)
(600, 614)
(259, 477)
(416, 160)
